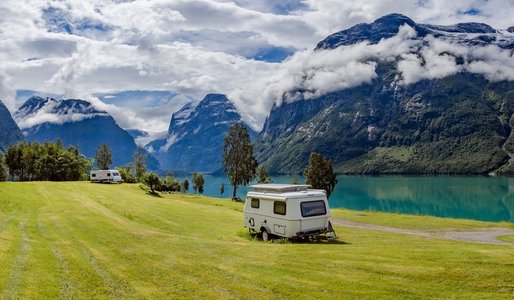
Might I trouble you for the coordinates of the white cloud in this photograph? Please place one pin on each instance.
(196, 47)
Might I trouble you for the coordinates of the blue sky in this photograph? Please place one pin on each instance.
(184, 48)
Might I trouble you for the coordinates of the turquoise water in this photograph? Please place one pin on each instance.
(479, 198)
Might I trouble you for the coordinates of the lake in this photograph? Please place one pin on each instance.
(479, 198)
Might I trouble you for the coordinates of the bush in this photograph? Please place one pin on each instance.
(152, 181)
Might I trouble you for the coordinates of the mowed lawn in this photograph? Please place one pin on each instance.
(82, 240)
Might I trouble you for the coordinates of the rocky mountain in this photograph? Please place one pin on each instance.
(10, 133)
(458, 123)
(195, 135)
(78, 123)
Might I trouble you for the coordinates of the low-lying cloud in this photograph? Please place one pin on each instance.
(50, 114)
(310, 74)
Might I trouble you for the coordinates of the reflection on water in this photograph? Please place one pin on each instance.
(479, 198)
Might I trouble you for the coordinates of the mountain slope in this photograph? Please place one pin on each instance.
(459, 123)
(77, 123)
(10, 133)
(196, 134)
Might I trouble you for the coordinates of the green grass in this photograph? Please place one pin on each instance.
(427, 223)
(81, 240)
(507, 238)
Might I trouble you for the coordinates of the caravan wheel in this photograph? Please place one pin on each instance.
(265, 236)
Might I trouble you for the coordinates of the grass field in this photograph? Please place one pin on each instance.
(81, 240)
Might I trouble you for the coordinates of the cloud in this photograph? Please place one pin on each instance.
(52, 113)
(310, 74)
(194, 47)
(7, 93)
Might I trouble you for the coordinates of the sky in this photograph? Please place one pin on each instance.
(111, 52)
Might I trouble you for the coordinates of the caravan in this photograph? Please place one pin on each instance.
(286, 210)
(106, 176)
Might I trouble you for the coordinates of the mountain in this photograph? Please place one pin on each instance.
(10, 133)
(195, 135)
(459, 123)
(78, 123)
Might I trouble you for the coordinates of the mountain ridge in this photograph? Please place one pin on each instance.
(77, 123)
(196, 134)
(458, 123)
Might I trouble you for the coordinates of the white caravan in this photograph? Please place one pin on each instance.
(105, 176)
(286, 210)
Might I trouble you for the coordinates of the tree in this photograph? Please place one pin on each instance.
(48, 161)
(320, 173)
(262, 175)
(103, 157)
(238, 161)
(127, 173)
(295, 181)
(222, 189)
(139, 163)
(198, 182)
(170, 184)
(3, 168)
(185, 186)
(152, 181)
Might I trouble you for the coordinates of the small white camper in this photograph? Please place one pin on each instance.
(105, 176)
(286, 210)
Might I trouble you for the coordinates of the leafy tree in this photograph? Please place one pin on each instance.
(238, 161)
(222, 189)
(127, 173)
(48, 161)
(320, 173)
(185, 186)
(198, 182)
(170, 184)
(152, 181)
(295, 181)
(103, 157)
(140, 163)
(14, 161)
(3, 168)
(262, 175)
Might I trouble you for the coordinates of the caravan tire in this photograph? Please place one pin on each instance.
(265, 236)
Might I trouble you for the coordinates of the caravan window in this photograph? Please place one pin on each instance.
(108, 174)
(313, 208)
(93, 175)
(279, 208)
(255, 203)
(115, 174)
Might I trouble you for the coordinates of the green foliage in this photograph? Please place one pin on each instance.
(262, 175)
(48, 161)
(320, 174)
(170, 184)
(185, 185)
(103, 157)
(139, 163)
(152, 181)
(198, 182)
(238, 161)
(127, 172)
(295, 181)
(3, 168)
